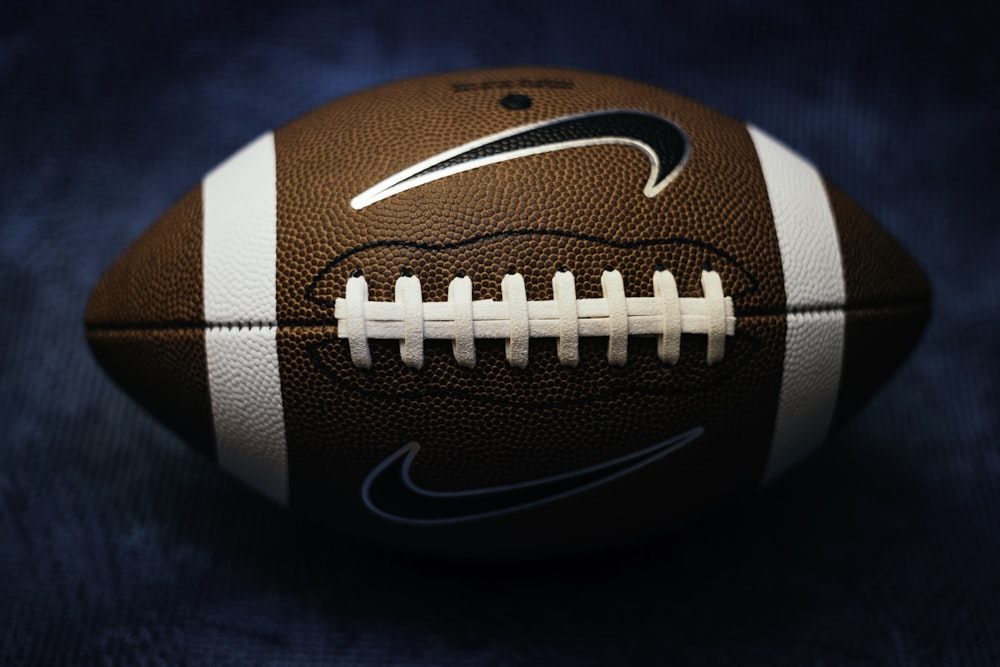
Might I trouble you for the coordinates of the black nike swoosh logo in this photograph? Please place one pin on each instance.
(390, 492)
(664, 143)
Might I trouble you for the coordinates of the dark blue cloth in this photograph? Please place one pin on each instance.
(119, 545)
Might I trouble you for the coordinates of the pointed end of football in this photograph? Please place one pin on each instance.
(144, 323)
(888, 304)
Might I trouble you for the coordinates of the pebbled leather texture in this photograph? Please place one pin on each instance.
(582, 208)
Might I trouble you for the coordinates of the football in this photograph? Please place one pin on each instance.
(510, 312)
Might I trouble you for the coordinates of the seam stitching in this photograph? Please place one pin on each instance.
(332, 324)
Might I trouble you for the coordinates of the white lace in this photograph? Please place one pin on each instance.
(516, 320)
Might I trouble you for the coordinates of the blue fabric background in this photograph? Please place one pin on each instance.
(119, 545)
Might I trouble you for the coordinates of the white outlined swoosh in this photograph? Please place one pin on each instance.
(663, 142)
(390, 492)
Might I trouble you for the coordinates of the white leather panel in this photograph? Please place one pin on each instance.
(239, 235)
(807, 233)
(249, 418)
(238, 256)
(814, 347)
(815, 295)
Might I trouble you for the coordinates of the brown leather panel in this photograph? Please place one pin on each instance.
(164, 369)
(877, 342)
(878, 271)
(158, 280)
(497, 425)
(889, 303)
(582, 208)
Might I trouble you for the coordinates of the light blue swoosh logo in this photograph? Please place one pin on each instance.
(390, 492)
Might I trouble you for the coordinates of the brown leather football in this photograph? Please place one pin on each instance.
(515, 311)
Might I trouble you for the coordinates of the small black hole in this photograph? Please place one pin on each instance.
(516, 102)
